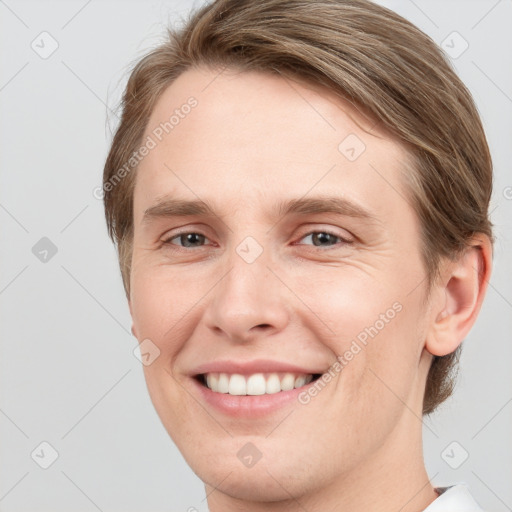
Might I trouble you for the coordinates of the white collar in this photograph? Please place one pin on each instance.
(455, 498)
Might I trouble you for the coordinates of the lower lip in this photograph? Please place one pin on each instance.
(249, 406)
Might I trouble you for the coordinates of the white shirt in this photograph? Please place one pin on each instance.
(455, 498)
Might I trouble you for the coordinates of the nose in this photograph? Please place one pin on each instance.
(249, 301)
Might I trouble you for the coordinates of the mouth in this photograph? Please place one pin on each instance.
(254, 384)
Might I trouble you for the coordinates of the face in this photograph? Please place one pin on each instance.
(307, 264)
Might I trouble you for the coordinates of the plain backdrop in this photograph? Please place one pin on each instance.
(68, 375)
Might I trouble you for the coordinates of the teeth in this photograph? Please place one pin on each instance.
(255, 384)
(237, 385)
(273, 384)
(300, 381)
(223, 383)
(288, 382)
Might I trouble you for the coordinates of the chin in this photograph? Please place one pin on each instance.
(263, 483)
(274, 477)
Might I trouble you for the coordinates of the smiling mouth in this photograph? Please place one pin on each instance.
(254, 384)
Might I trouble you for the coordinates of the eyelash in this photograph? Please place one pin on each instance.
(323, 231)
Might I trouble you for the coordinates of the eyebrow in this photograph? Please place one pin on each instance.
(168, 207)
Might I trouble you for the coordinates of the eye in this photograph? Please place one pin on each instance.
(325, 238)
(191, 239)
(188, 239)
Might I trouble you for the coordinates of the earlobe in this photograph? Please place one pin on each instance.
(464, 286)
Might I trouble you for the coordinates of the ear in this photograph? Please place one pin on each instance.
(134, 332)
(458, 296)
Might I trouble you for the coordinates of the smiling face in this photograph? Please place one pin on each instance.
(310, 248)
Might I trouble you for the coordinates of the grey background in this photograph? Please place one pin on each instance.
(68, 375)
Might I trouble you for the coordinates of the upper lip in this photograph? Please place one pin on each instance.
(254, 366)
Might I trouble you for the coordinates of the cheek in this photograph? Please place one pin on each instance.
(349, 306)
(387, 374)
(375, 331)
(159, 303)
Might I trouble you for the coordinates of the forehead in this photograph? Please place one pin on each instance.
(253, 132)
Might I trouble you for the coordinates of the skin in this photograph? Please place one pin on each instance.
(253, 139)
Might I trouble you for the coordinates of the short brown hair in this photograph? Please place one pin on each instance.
(369, 56)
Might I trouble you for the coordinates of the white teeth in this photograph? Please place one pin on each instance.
(273, 384)
(255, 384)
(300, 381)
(288, 382)
(237, 385)
(223, 383)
